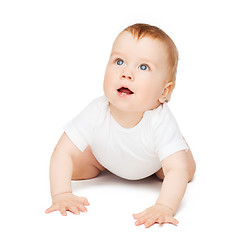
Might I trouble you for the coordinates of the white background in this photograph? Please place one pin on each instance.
(52, 61)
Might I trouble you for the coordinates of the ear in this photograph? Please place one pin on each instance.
(166, 91)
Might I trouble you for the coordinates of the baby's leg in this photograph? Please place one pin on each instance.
(86, 166)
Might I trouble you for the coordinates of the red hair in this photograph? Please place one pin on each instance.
(141, 30)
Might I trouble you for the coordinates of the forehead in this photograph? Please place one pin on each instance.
(152, 49)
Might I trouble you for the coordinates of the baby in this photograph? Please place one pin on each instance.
(129, 131)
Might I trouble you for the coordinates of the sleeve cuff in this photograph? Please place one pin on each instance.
(169, 150)
(75, 136)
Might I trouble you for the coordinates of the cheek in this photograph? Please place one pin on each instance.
(150, 89)
(108, 79)
(144, 93)
(146, 84)
(109, 74)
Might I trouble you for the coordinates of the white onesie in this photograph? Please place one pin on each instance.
(131, 153)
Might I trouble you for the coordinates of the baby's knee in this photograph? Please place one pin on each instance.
(86, 172)
(86, 166)
(192, 170)
(160, 174)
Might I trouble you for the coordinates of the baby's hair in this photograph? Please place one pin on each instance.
(141, 30)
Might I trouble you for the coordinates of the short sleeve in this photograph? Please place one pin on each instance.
(167, 136)
(80, 129)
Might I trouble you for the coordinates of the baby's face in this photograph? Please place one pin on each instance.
(136, 73)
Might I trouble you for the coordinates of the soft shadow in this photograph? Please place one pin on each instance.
(106, 178)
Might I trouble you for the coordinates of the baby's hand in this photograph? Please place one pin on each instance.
(64, 202)
(155, 214)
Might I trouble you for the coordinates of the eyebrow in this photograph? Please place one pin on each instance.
(115, 53)
(145, 60)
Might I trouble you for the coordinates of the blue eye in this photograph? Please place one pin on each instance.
(143, 67)
(120, 62)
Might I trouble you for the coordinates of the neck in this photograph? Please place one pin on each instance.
(124, 118)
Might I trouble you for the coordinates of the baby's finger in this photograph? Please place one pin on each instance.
(139, 215)
(140, 221)
(51, 209)
(81, 207)
(161, 220)
(149, 222)
(171, 220)
(82, 201)
(74, 210)
(63, 211)
(85, 201)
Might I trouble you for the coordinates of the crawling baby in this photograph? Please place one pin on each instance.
(129, 131)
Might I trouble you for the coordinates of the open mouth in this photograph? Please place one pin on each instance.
(125, 91)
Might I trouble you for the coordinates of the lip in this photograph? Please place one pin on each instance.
(121, 95)
(125, 86)
(124, 95)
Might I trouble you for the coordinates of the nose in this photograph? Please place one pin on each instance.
(127, 76)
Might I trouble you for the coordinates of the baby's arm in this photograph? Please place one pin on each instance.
(177, 175)
(61, 169)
